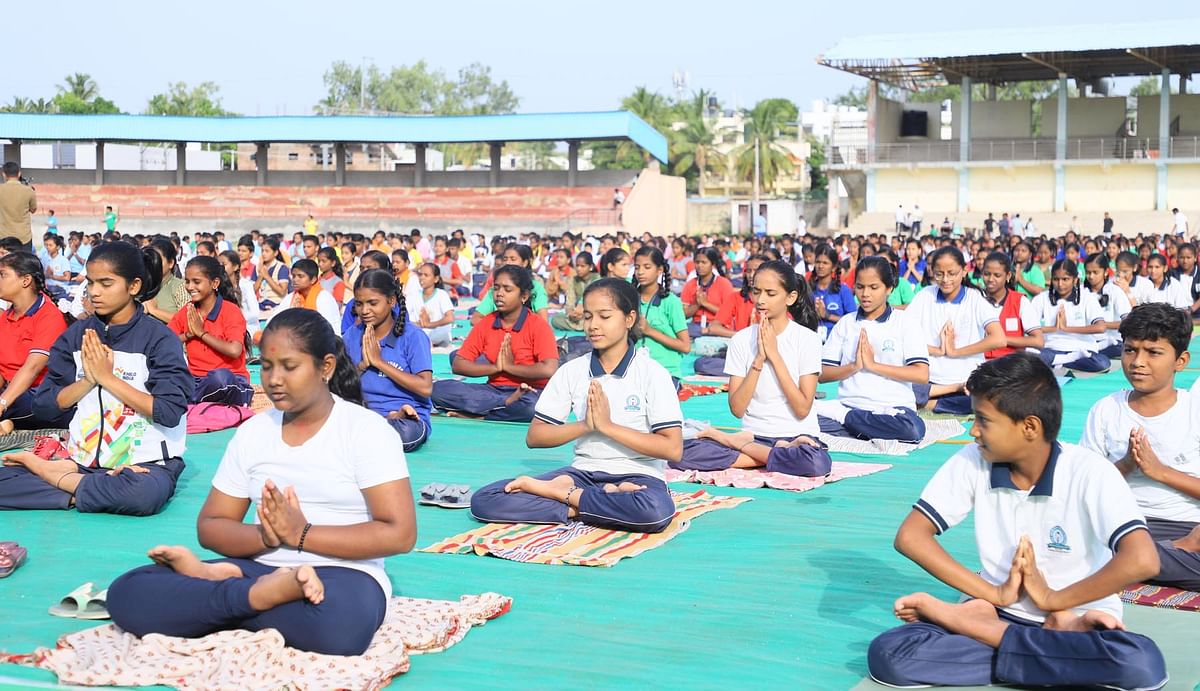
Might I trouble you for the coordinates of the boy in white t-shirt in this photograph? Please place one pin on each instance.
(1152, 433)
(1059, 535)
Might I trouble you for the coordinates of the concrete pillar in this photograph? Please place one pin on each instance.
(496, 149)
(833, 204)
(869, 196)
(99, 163)
(964, 127)
(181, 163)
(872, 114)
(339, 168)
(964, 185)
(1160, 191)
(260, 162)
(1164, 116)
(1060, 137)
(573, 164)
(419, 165)
(12, 152)
(1060, 187)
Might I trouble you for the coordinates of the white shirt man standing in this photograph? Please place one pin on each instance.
(901, 219)
(1181, 224)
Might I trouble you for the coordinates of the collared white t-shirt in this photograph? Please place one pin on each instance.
(1174, 436)
(895, 342)
(1114, 311)
(768, 413)
(1075, 515)
(354, 450)
(971, 314)
(1172, 292)
(641, 396)
(1083, 313)
(1181, 223)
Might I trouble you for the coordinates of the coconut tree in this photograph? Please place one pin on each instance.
(693, 146)
(766, 124)
(81, 85)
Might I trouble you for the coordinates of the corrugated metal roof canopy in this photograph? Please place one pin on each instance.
(1084, 52)
(339, 128)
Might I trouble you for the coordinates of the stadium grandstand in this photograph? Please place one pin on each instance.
(391, 188)
(1067, 161)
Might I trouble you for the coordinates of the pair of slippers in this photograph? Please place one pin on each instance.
(83, 603)
(12, 556)
(446, 496)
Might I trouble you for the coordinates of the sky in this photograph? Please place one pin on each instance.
(269, 56)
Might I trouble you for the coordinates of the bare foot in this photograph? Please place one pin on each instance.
(467, 416)
(516, 395)
(623, 487)
(1189, 542)
(555, 488)
(925, 607)
(1091, 620)
(6, 426)
(184, 562)
(50, 471)
(286, 585)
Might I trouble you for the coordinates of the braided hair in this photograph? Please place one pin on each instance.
(1101, 261)
(664, 270)
(385, 284)
(27, 264)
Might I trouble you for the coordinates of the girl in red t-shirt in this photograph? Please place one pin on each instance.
(213, 331)
(28, 328)
(704, 293)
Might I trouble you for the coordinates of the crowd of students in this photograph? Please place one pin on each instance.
(960, 325)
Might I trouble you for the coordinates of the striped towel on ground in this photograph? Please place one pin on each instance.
(577, 544)
(1161, 596)
(748, 478)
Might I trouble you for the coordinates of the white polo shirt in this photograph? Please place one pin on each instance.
(641, 396)
(1075, 515)
(768, 413)
(894, 341)
(1172, 292)
(1083, 313)
(1114, 310)
(971, 314)
(1174, 436)
(1181, 223)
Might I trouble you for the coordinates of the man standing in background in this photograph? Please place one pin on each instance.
(18, 202)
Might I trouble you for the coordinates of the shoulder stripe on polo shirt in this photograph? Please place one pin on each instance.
(934, 517)
(1097, 320)
(917, 360)
(833, 363)
(665, 425)
(546, 418)
(1124, 530)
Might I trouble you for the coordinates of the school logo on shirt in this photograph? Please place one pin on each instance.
(633, 404)
(1058, 540)
(832, 305)
(889, 346)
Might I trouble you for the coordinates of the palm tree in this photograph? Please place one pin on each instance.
(769, 120)
(693, 146)
(81, 85)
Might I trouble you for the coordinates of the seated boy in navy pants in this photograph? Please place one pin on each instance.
(1059, 535)
(1151, 431)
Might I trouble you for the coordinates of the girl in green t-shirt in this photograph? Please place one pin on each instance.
(663, 324)
(904, 291)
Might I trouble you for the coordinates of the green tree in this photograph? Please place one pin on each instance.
(769, 121)
(855, 97)
(71, 104)
(416, 89)
(28, 105)
(693, 146)
(816, 165)
(180, 99)
(80, 85)
(1149, 86)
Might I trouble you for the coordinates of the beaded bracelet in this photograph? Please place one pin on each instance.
(300, 545)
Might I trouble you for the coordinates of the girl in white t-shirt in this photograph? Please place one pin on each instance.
(773, 367)
(959, 326)
(1164, 288)
(328, 485)
(627, 422)
(1072, 320)
(876, 356)
(1113, 302)
(433, 310)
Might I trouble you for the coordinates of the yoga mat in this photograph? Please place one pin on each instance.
(816, 568)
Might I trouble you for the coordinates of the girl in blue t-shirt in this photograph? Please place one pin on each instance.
(393, 358)
(832, 298)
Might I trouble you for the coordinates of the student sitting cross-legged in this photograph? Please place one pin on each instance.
(392, 357)
(213, 330)
(627, 422)
(514, 348)
(773, 366)
(1059, 535)
(123, 375)
(1151, 431)
(877, 355)
(325, 483)
(1073, 322)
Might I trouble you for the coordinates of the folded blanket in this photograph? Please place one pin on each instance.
(935, 431)
(748, 478)
(107, 656)
(1161, 596)
(577, 544)
(687, 391)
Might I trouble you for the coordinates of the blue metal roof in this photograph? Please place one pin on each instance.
(337, 128)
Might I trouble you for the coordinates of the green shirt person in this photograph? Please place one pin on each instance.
(664, 314)
(1031, 280)
(110, 219)
(902, 294)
